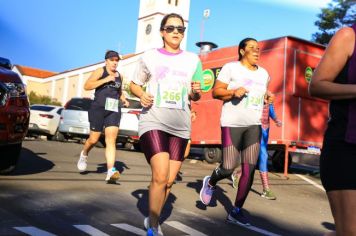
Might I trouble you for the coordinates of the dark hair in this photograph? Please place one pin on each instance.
(112, 53)
(171, 15)
(242, 45)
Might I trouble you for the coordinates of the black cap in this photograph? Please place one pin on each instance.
(111, 53)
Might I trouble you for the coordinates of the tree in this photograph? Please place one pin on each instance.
(38, 99)
(339, 13)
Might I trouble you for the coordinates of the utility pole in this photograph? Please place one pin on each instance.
(206, 15)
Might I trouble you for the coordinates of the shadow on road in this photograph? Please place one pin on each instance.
(31, 163)
(101, 168)
(218, 196)
(142, 204)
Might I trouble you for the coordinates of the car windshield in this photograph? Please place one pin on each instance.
(134, 104)
(41, 108)
(79, 104)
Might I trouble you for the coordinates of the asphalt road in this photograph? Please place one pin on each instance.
(46, 195)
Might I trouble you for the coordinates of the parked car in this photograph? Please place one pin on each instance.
(44, 120)
(14, 116)
(74, 121)
(128, 133)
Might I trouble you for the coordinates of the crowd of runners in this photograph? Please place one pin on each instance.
(167, 79)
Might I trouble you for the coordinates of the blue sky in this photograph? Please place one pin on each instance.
(59, 35)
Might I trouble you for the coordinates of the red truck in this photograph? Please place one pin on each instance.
(290, 62)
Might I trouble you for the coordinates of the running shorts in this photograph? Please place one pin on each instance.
(337, 165)
(156, 141)
(99, 118)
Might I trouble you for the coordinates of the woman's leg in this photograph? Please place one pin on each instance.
(225, 169)
(90, 142)
(187, 150)
(88, 145)
(337, 174)
(249, 158)
(343, 208)
(110, 141)
(249, 155)
(155, 145)
(158, 186)
(263, 162)
(177, 149)
(174, 167)
(230, 156)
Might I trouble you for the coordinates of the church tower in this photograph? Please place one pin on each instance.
(149, 20)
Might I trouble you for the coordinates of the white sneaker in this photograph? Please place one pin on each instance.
(112, 176)
(82, 162)
(146, 225)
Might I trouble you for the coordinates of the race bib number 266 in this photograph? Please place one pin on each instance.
(170, 96)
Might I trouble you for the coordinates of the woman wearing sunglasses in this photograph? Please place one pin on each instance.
(173, 78)
(242, 85)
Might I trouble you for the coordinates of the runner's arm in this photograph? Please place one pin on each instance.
(221, 92)
(333, 61)
(93, 81)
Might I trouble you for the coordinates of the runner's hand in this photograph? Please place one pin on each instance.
(196, 87)
(110, 78)
(270, 97)
(278, 123)
(240, 92)
(146, 100)
(125, 102)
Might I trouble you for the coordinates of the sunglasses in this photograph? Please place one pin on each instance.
(170, 29)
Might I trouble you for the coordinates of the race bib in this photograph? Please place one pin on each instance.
(169, 95)
(112, 104)
(254, 101)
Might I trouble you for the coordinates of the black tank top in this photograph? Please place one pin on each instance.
(108, 90)
(342, 122)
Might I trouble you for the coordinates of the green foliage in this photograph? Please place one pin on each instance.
(38, 99)
(338, 14)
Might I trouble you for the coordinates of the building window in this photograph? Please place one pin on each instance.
(176, 2)
(169, 2)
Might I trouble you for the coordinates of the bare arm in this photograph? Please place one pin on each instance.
(336, 55)
(221, 92)
(123, 99)
(93, 81)
(145, 98)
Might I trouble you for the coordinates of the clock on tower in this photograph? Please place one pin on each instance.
(149, 20)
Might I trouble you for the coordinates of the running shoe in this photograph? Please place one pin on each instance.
(236, 216)
(82, 162)
(206, 191)
(152, 232)
(268, 194)
(112, 176)
(235, 180)
(146, 225)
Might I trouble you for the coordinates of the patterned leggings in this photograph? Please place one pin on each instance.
(236, 141)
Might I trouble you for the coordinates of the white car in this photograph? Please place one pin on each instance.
(44, 120)
(75, 124)
(128, 131)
